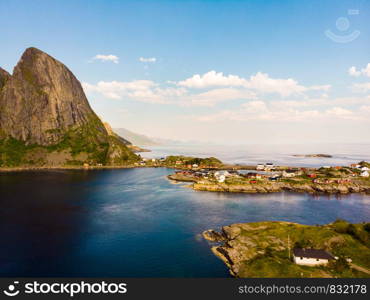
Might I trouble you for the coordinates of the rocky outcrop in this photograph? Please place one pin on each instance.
(213, 236)
(43, 105)
(312, 188)
(4, 77)
(182, 178)
(264, 249)
(314, 155)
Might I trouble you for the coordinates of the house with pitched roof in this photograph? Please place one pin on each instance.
(311, 257)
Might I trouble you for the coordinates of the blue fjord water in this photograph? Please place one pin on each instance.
(341, 154)
(134, 222)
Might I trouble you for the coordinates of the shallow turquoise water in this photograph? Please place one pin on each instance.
(135, 223)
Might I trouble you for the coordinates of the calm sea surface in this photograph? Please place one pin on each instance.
(134, 223)
(342, 154)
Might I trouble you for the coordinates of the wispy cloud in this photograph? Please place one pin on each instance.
(361, 87)
(212, 97)
(266, 111)
(140, 90)
(107, 58)
(148, 59)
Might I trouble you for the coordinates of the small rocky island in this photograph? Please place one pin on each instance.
(269, 178)
(266, 249)
(314, 155)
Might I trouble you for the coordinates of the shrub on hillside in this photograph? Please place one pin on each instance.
(341, 226)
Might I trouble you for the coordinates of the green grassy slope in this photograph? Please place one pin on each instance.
(263, 247)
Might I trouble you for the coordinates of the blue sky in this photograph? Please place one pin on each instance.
(267, 70)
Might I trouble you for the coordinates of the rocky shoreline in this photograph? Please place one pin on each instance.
(272, 179)
(50, 168)
(263, 249)
(282, 186)
(274, 187)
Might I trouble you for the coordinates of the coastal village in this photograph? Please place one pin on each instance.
(267, 177)
(280, 249)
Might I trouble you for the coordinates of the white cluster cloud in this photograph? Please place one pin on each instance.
(264, 84)
(352, 71)
(256, 100)
(109, 57)
(148, 59)
(360, 87)
(215, 88)
(212, 79)
(260, 82)
(141, 90)
(218, 88)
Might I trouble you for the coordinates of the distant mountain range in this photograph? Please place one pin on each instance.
(136, 138)
(46, 119)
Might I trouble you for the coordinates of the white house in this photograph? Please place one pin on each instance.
(364, 169)
(365, 174)
(260, 167)
(221, 178)
(269, 166)
(225, 173)
(289, 173)
(311, 257)
(222, 172)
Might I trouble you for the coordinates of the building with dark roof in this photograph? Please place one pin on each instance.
(311, 257)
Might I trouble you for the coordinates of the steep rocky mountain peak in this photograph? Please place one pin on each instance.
(45, 97)
(43, 104)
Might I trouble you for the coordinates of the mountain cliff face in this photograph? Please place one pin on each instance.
(45, 118)
(4, 76)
